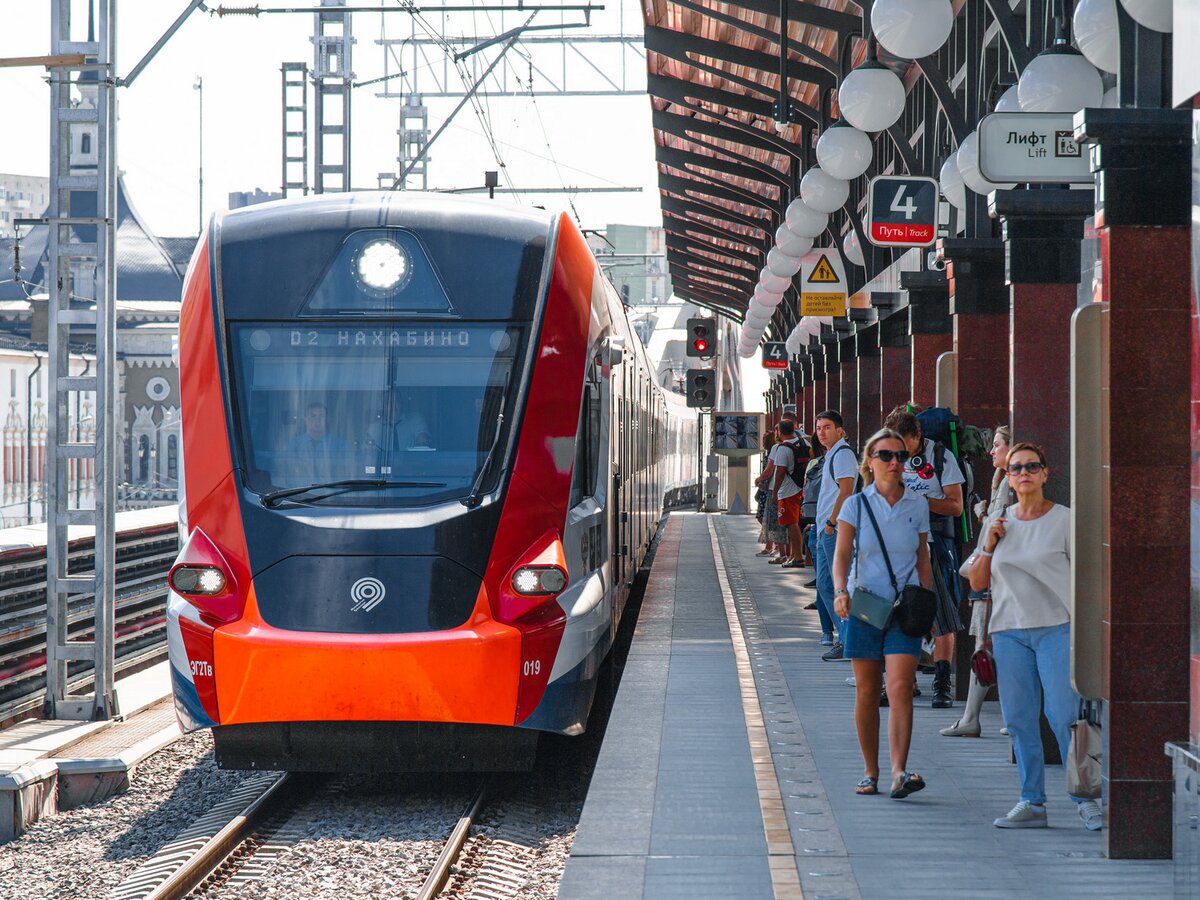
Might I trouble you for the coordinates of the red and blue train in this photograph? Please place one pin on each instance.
(424, 456)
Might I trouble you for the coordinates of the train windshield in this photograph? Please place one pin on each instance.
(414, 408)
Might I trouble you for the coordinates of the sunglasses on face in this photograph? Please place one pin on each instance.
(888, 455)
(1031, 467)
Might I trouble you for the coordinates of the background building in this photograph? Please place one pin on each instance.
(21, 196)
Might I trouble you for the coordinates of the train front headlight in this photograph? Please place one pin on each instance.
(382, 265)
(207, 581)
(536, 581)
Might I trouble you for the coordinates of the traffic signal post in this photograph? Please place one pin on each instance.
(702, 338)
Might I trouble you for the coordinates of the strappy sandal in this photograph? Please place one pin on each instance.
(867, 786)
(907, 783)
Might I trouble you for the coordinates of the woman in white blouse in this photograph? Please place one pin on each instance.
(902, 519)
(1026, 560)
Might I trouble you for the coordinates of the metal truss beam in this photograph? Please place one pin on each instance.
(739, 258)
(684, 126)
(685, 207)
(682, 222)
(689, 186)
(681, 125)
(684, 160)
(678, 46)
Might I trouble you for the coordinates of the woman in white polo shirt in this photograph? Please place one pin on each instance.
(902, 517)
(1026, 560)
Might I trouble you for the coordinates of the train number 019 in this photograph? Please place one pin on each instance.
(532, 667)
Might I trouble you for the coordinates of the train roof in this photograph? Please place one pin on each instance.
(415, 210)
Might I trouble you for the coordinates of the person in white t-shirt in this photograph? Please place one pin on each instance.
(785, 492)
(1026, 560)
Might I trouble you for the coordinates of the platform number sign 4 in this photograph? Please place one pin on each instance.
(775, 356)
(902, 211)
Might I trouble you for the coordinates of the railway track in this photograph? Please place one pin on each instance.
(235, 842)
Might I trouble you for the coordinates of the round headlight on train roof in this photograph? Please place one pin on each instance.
(382, 265)
(205, 580)
(536, 580)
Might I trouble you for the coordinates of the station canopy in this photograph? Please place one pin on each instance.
(728, 162)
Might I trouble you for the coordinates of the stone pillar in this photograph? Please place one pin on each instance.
(870, 414)
(1142, 161)
(817, 351)
(833, 369)
(930, 328)
(895, 348)
(1042, 231)
(849, 380)
(979, 304)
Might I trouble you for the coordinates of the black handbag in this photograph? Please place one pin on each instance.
(915, 606)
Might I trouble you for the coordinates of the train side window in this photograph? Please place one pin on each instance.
(587, 445)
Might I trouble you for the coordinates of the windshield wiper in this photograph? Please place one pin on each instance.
(347, 485)
(472, 498)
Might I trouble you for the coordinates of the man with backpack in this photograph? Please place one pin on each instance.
(839, 472)
(791, 456)
(933, 472)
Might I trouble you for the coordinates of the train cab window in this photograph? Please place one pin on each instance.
(587, 444)
(415, 408)
(381, 270)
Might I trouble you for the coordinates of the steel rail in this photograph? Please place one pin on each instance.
(217, 849)
(441, 869)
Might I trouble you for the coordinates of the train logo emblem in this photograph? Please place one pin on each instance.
(367, 593)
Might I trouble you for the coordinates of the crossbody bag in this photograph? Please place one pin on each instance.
(914, 607)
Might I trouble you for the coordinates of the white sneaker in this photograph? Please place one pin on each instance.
(851, 681)
(1023, 815)
(1092, 815)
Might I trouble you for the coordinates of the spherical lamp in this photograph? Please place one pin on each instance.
(844, 152)
(1095, 28)
(759, 317)
(1153, 14)
(1059, 79)
(951, 182)
(852, 248)
(780, 263)
(821, 191)
(791, 243)
(795, 341)
(1008, 101)
(805, 221)
(912, 29)
(968, 167)
(767, 299)
(1112, 99)
(775, 284)
(871, 97)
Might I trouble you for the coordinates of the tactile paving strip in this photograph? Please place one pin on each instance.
(115, 740)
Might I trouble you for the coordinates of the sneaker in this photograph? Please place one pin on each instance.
(827, 640)
(812, 583)
(1023, 815)
(834, 652)
(1004, 731)
(1092, 815)
(851, 681)
(958, 729)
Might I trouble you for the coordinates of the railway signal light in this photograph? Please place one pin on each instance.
(701, 387)
(702, 337)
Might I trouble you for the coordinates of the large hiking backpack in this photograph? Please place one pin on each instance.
(968, 443)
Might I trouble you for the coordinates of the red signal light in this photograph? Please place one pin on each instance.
(701, 345)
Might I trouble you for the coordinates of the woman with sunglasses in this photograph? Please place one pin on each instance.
(1026, 560)
(862, 561)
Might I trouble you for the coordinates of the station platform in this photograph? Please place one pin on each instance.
(48, 765)
(729, 763)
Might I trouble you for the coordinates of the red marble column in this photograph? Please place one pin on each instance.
(1195, 664)
(870, 412)
(1143, 174)
(833, 370)
(930, 326)
(848, 404)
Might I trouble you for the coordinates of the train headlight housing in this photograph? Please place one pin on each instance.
(382, 266)
(205, 581)
(538, 581)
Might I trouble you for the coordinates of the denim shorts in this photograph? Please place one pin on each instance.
(863, 641)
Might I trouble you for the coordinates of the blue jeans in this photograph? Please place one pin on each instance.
(824, 562)
(1032, 663)
(828, 622)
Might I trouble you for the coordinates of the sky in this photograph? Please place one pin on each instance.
(578, 141)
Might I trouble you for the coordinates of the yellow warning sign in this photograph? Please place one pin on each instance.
(823, 272)
(822, 304)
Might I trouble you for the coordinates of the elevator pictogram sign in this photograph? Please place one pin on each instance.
(902, 211)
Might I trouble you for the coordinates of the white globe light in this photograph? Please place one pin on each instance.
(776, 284)
(871, 97)
(1095, 27)
(1059, 79)
(1112, 99)
(1154, 14)
(912, 28)
(821, 191)
(747, 352)
(794, 342)
(759, 317)
(382, 264)
(852, 248)
(770, 300)
(1009, 102)
(951, 182)
(805, 221)
(844, 152)
(968, 167)
(781, 263)
(791, 243)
